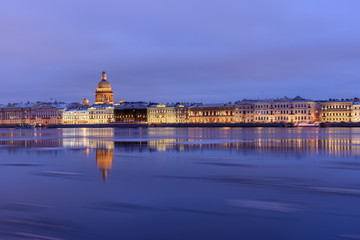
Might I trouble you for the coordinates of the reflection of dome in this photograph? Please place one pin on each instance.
(104, 159)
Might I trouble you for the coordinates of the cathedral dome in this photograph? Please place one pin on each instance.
(103, 84)
(104, 94)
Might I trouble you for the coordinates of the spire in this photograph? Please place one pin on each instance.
(103, 76)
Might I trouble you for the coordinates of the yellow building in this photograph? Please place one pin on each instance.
(101, 114)
(336, 110)
(161, 113)
(212, 113)
(16, 113)
(104, 93)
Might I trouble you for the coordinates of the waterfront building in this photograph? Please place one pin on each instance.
(296, 110)
(355, 112)
(171, 113)
(104, 93)
(76, 115)
(244, 111)
(101, 114)
(47, 113)
(212, 113)
(336, 110)
(131, 112)
(16, 113)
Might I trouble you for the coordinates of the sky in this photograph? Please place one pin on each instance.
(179, 50)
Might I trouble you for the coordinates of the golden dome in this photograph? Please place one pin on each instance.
(85, 102)
(104, 94)
(103, 84)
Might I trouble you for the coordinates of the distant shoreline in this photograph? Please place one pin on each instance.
(189, 125)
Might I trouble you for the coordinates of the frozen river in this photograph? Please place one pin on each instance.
(169, 183)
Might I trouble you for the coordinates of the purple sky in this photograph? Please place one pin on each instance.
(184, 50)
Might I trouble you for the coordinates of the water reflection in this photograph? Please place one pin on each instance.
(249, 183)
(104, 160)
(259, 141)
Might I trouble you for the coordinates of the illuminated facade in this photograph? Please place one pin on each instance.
(336, 110)
(212, 113)
(355, 112)
(101, 114)
(78, 115)
(104, 93)
(47, 113)
(16, 114)
(295, 110)
(161, 113)
(244, 112)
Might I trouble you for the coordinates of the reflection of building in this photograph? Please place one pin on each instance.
(176, 113)
(100, 114)
(336, 110)
(212, 113)
(104, 159)
(296, 110)
(104, 94)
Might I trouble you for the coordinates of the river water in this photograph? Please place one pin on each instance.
(180, 183)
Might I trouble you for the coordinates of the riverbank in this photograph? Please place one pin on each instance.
(177, 125)
(191, 125)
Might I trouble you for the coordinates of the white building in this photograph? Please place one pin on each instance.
(296, 110)
(76, 115)
(101, 114)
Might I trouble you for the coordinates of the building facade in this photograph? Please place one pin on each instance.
(296, 110)
(16, 113)
(101, 114)
(336, 110)
(47, 113)
(355, 112)
(244, 112)
(212, 113)
(176, 113)
(77, 115)
(131, 112)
